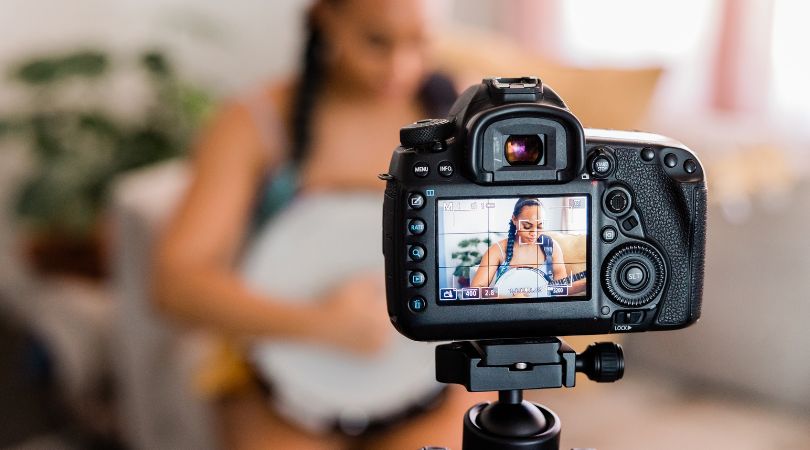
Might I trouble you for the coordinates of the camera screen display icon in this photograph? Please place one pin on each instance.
(489, 292)
(447, 294)
(470, 293)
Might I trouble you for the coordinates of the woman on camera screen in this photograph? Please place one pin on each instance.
(528, 261)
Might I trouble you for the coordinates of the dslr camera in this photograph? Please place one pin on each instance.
(508, 219)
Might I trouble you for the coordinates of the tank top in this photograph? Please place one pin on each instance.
(545, 243)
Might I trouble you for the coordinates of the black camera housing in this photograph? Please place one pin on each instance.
(648, 189)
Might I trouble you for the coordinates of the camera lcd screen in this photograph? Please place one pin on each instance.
(513, 248)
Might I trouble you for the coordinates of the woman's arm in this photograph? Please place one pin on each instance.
(558, 261)
(487, 268)
(560, 271)
(194, 280)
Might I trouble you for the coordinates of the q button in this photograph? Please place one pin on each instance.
(416, 252)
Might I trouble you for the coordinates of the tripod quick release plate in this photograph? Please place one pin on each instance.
(504, 364)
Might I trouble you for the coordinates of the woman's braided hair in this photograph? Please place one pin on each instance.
(510, 241)
(307, 90)
(436, 95)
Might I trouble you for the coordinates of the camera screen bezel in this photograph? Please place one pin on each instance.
(527, 300)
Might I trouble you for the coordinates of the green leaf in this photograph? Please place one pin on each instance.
(462, 271)
(99, 123)
(8, 126)
(44, 129)
(195, 104)
(86, 63)
(145, 146)
(156, 63)
(45, 70)
(40, 71)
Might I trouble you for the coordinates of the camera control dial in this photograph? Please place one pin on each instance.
(426, 133)
(617, 201)
(633, 274)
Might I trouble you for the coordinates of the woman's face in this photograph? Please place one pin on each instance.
(379, 46)
(528, 224)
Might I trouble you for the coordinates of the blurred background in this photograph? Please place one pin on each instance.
(99, 101)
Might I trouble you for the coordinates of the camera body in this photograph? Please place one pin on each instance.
(509, 220)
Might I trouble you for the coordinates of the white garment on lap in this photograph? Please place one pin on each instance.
(315, 385)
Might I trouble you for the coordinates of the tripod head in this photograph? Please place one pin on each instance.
(509, 366)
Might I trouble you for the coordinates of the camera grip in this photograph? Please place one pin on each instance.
(673, 214)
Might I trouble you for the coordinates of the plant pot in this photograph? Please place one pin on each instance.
(54, 253)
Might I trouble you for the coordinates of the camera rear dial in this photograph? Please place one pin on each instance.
(634, 274)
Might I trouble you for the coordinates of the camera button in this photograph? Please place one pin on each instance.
(633, 276)
(416, 226)
(416, 278)
(629, 223)
(609, 234)
(416, 201)
(446, 169)
(417, 304)
(601, 166)
(421, 169)
(690, 166)
(647, 154)
(670, 160)
(416, 252)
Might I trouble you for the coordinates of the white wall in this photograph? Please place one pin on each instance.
(225, 44)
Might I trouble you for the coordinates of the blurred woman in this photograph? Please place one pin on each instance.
(330, 129)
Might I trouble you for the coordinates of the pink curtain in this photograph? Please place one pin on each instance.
(534, 23)
(741, 69)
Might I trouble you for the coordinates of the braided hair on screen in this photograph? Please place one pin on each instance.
(510, 240)
(436, 94)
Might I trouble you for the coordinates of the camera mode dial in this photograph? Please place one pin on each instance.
(633, 274)
(426, 133)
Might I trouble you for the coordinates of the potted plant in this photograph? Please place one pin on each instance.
(78, 147)
(467, 255)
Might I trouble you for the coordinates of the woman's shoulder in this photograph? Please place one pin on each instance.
(500, 245)
(277, 92)
(264, 108)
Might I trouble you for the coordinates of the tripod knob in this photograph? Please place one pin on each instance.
(602, 362)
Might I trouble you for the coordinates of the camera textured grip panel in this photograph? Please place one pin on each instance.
(698, 248)
(667, 210)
